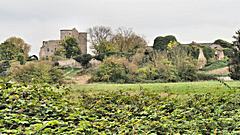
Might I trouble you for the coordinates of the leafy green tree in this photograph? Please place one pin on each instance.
(84, 59)
(8, 51)
(163, 43)
(14, 49)
(235, 59)
(20, 43)
(70, 47)
(100, 37)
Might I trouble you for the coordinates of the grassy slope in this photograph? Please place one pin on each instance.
(175, 88)
(216, 65)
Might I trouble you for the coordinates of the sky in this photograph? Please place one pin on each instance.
(189, 20)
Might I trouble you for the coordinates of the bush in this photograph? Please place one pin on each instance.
(112, 69)
(36, 72)
(84, 59)
(147, 73)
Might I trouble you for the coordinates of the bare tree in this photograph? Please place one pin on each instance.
(127, 41)
(99, 35)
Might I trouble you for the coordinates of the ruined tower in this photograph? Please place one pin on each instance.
(49, 48)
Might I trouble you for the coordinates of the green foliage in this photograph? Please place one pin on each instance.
(228, 52)
(167, 71)
(165, 66)
(128, 41)
(4, 66)
(223, 43)
(84, 59)
(33, 109)
(155, 114)
(162, 43)
(123, 40)
(191, 50)
(216, 65)
(44, 109)
(14, 49)
(208, 52)
(102, 56)
(36, 72)
(235, 59)
(105, 47)
(112, 70)
(185, 64)
(71, 48)
(147, 73)
(8, 51)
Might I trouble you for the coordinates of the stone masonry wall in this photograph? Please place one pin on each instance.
(50, 47)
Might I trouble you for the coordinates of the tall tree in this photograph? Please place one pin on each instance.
(235, 59)
(126, 40)
(100, 37)
(14, 49)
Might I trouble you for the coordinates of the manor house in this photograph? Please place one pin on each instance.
(49, 47)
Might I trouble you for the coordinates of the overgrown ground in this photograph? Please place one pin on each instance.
(166, 108)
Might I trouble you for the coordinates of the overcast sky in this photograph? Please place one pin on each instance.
(188, 20)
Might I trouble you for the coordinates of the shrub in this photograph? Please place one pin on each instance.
(112, 69)
(36, 72)
(147, 73)
(84, 59)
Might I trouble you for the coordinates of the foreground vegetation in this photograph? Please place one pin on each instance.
(124, 109)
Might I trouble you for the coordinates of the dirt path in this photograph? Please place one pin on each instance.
(83, 79)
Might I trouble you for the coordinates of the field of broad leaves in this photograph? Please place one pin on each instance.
(44, 109)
